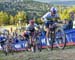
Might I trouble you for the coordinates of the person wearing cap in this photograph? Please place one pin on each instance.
(49, 18)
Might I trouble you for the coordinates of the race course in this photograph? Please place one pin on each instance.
(67, 54)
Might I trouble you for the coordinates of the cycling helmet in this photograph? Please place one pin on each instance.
(31, 22)
(53, 9)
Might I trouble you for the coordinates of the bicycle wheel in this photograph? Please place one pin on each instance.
(33, 46)
(60, 38)
(52, 35)
(5, 49)
(39, 44)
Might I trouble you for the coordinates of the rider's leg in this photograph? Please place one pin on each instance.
(26, 37)
(30, 38)
(11, 48)
(47, 34)
(31, 44)
(47, 38)
(5, 47)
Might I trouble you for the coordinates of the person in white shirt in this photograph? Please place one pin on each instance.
(49, 19)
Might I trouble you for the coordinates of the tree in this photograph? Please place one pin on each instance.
(12, 19)
(64, 14)
(38, 21)
(20, 16)
(4, 18)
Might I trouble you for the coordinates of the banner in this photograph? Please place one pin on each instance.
(22, 45)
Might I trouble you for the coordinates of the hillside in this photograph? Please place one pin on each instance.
(66, 3)
(27, 6)
(59, 2)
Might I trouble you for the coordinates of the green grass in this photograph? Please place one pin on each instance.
(56, 54)
(25, 56)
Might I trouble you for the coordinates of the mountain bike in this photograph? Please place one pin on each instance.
(57, 36)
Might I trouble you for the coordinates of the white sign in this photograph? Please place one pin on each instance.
(17, 46)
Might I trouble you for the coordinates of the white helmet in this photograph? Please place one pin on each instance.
(53, 9)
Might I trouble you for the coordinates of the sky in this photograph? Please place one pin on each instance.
(53, 0)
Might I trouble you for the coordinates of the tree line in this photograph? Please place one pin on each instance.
(12, 13)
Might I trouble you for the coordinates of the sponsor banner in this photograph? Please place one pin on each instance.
(70, 38)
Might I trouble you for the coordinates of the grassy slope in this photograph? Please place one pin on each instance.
(56, 54)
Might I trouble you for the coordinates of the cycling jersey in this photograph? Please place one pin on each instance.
(31, 28)
(50, 19)
(48, 16)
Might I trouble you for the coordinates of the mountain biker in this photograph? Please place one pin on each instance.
(49, 19)
(31, 28)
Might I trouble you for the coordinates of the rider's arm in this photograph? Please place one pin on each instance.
(44, 18)
(27, 28)
(36, 26)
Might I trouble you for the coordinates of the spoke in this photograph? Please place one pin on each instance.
(60, 38)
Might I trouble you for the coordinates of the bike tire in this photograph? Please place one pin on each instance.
(52, 39)
(60, 38)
